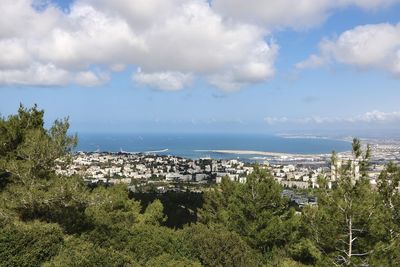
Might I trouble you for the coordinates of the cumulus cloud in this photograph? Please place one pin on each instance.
(368, 117)
(171, 81)
(298, 14)
(141, 15)
(243, 75)
(259, 68)
(36, 74)
(167, 39)
(223, 42)
(375, 46)
(90, 78)
(13, 54)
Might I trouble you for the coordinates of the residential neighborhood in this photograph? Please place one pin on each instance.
(167, 172)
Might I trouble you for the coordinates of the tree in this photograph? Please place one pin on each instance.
(356, 148)
(386, 225)
(111, 207)
(360, 159)
(218, 246)
(30, 187)
(58, 199)
(146, 242)
(154, 214)
(29, 244)
(255, 210)
(28, 150)
(341, 223)
(79, 253)
(389, 196)
(168, 260)
(305, 251)
(216, 202)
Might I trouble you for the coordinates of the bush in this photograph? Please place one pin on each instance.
(29, 244)
(80, 253)
(167, 260)
(219, 247)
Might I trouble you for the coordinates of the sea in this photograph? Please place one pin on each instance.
(195, 146)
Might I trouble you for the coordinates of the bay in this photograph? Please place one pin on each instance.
(196, 146)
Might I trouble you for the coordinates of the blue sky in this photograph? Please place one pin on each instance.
(255, 74)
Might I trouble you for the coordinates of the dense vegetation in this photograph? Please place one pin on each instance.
(50, 220)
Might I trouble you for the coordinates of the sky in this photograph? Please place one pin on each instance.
(261, 66)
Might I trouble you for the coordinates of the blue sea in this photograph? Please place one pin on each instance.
(196, 146)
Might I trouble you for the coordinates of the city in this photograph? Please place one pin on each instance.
(166, 172)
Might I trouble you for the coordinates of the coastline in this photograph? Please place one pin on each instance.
(261, 153)
(194, 145)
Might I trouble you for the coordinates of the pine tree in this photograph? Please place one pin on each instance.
(341, 223)
(386, 225)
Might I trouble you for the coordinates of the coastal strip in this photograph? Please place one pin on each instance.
(261, 153)
(142, 152)
(156, 151)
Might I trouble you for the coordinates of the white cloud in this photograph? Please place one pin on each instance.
(18, 18)
(368, 117)
(314, 61)
(171, 81)
(13, 54)
(89, 78)
(378, 116)
(242, 76)
(298, 14)
(118, 67)
(141, 15)
(370, 46)
(260, 68)
(50, 75)
(36, 74)
(275, 120)
(163, 38)
(223, 43)
(88, 37)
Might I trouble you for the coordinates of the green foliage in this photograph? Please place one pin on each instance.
(219, 247)
(356, 148)
(110, 206)
(167, 260)
(27, 149)
(305, 251)
(14, 128)
(79, 253)
(154, 214)
(142, 242)
(386, 253)
(340, 225)
(385, 227)
(29, 244)
(180, 208)
(216, 202)
(62, 200)
(388, 184)
(148, 241)
(255, 210)
(362, 156)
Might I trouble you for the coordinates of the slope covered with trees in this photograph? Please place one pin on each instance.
(51, 220)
